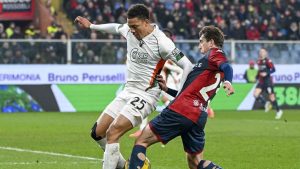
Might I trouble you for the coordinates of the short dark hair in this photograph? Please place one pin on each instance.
(213, 33)
(138, 11)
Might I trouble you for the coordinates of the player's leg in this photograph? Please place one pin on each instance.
(100, 128)
(193, 142)
(258, 96)
(196, 161)
(163, 128)
(142, 126)
(138, 154)
(206, 164)
(112, 150)
(98, 132)
(130, 116)
(272, 98)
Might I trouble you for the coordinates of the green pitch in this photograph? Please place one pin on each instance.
(235, 140)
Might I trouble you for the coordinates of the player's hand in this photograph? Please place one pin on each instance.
(263, 74)
(161, 82)
(228, 88)
(83, 22)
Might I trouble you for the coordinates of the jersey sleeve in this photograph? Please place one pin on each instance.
(270, 64)
(168, 50)
(123, 29)
(217, 59)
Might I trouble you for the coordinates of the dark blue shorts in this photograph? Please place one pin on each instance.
(266, 87)
(169, 125)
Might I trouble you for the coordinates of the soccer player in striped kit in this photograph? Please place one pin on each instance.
(186, 115)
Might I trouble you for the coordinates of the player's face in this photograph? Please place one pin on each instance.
(204, 45)
(262, 54)
(138, 27)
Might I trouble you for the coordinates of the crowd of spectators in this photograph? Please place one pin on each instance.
(24, 52)
(239, 20)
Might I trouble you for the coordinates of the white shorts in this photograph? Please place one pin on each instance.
(132, 103)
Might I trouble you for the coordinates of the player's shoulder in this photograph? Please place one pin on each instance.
(268, 60)
(217, 52)
(162, 38)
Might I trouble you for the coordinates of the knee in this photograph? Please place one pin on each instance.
(272, 97)
(113, 133)
(94, 133)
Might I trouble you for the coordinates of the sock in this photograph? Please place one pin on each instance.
(136, 159)
(121, 161)
(210, 165)
(261, 99)
(102, 143)
(275, 104)
(144, 123)
(111, 156)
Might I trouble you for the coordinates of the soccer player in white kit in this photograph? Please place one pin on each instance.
(147, 50)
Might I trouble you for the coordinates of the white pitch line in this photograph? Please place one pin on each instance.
(42, 162)
(26, 163)
(48, 153)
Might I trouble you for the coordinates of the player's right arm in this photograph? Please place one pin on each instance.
(112, 28)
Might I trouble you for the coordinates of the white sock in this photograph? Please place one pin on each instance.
(121, 162)
(111, 156)
(102, 143)
(144, 123)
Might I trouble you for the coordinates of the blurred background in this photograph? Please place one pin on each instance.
(57, 66)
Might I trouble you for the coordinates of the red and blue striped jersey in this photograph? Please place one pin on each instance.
(200, 86)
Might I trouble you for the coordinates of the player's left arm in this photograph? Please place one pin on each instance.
(228, 74)
(271, 67)
(219, 61)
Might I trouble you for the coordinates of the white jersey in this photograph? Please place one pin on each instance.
(146, 57)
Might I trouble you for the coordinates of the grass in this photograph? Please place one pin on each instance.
(235, 140)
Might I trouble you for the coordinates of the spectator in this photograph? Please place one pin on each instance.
(238, 32)
(252, 33)
(251, 73)
(108, 53)
(19, 58)
(10, 30)
(294, 32)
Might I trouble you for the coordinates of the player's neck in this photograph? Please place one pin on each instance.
(149, 29)
(214, 47)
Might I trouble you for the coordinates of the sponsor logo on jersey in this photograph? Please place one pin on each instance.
(138, 57)
(196, 103)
